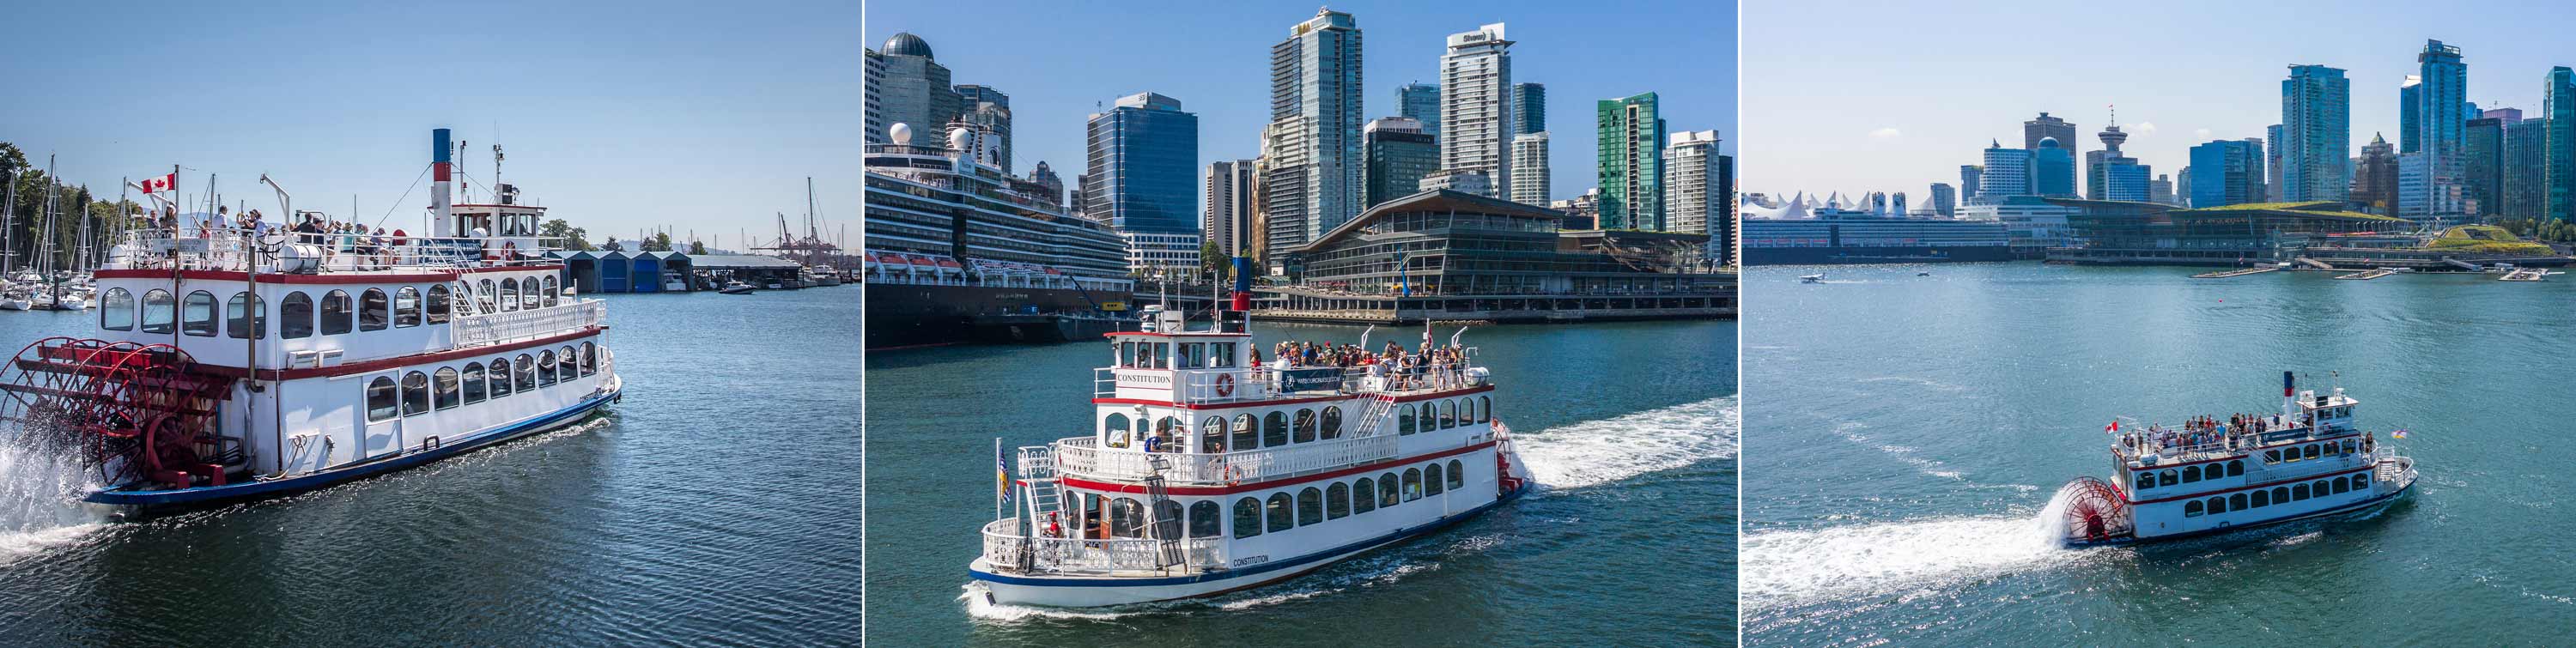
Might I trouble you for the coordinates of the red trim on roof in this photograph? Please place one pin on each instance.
(1106, 487)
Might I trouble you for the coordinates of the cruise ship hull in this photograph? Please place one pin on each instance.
(916, 315)
(1854, 255)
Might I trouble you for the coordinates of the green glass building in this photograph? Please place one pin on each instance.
(1632, 163)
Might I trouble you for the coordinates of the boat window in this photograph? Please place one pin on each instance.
(1366, 490)
(553, 291)
(438, 306)
(1167, 519)
(1095, 525)
(1404, 419)
(546, 368)
(2168, 478)
(1337, 501)
(2318, 489)
(2190, 474)
(1189, 356)
(245, 317)
(415, 394)
(443, 387)
(1386, 496)
(406, 307)
(473, 382)
(2262, 499)
(1466, 411)
(567, 367)
(1247, 517)
(500, 377)
(1457, 475)
(2312, 452)
(382, 405)
(159, 314)
(116, 310)
(1113, 432)
(2361, 481)
(2341, 486)
(525, 374)
(374, 312)
(295, 316)
(336, 315)
(1310, 506)
(2192, 508)
(1448, 414)
(1245, 437)
(509, 294)
(1221, 355)
(2298, 491)
(1203, 519)
(1305, 430)
(1126, 352)
(589, 359)
(1162, 354)
(2271, 456)
(483, 295)
(2217, 505)
(1281, 519)
(1412, 484)
(1332, 422)
(1212, 435)
(1484, 409)
(2236, 468)
(1431, 481)
(2237, 502)
(2146, 480)
(197, 315)
(1126, 518)
(1274, 430)
(529, 297)
(2280, 494)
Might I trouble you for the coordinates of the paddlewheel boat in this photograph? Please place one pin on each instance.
(384, 353)
(1204, 474)
(2217, 475)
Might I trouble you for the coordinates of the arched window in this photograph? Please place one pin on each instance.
(2311, 451)
(1274, 430)
(2192, 508)
(1448, 414)
(116, 310)
(1281, 518)
(337, 316)
(197, 314)
(2317, 489)
(1457, 475)
(438, 304)
(551, 291)
(1332, 422)
(1203, 519)
(415, 393)
(374, 311)
(295, 316)
(1247, 517)
(383, 404)
(567, 367)
(2280, 494)
(1466, 411)
(1113, 432)
(1126, 518)
(1404, 420)
(500, 377)
(524, 374)
(530, 300)
(2262, 499)
(245, 317)
(1305, 430)
(1386, 495)
(2298, 492)
(2236, 468)
(406, 307)
(1310, 506)
(1412, 484)
(2146, 480)
(589, 359)
(160, 312)
(2217, 505)
(2237, 502)
(1337, 501)
(2190, 474)
(1245, 437)
(1212, 435)
(1431, 480)
(509, 294)
(443, 386)
(546, 369)
(1366, 490)
(2341, 486)
(2168, 478)
(1167, 432)
(483, 295)
(1485, 408)
(473, 382)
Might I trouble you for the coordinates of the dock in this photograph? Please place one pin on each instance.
(2367, 275)
(2235, 273)
(2524, 274)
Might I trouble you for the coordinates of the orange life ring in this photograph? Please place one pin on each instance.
(1233, 476)
(1225, 384)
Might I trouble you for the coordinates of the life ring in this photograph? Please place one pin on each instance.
(1225, 384)
(1233, 476)
(510, 251)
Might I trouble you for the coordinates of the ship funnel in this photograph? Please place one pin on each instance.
(2289, 395)
(442, 165)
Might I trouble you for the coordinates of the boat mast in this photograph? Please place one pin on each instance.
(8, 215)
(44, 248)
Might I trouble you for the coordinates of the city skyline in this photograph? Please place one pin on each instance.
(620, 119)
(1218, 61)
(1921, 119)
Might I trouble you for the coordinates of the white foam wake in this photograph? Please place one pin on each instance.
(1595, 452)
(40, 503)
(1790, 567)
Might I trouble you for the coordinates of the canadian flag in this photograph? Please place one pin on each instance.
(160, 184)
(2113, 428)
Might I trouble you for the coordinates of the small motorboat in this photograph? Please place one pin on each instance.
(1813, 278)
(1923, 274)
(735, 288)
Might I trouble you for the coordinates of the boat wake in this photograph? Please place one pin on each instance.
(1792, 567)
(1607, 450)
(40, 501)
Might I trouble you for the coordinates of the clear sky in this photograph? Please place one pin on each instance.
(618, 115)
(1893, 96)
(1062, 61)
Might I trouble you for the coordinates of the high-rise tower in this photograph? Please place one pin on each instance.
(1476, 107)
(2316, 135)
(1312, 176)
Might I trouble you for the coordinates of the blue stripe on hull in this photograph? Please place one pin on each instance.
(1399, 535)
(210, 495)
(2348, 508)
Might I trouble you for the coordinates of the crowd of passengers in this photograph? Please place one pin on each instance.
(2209, 431)
(1427, 366)
(375, 248)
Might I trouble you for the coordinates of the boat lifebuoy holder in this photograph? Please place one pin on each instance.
(1225, 384)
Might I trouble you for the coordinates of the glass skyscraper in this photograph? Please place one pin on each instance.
(2316, 134)
(1631, 143)
(2226, 172)
(1421, 102)
(1144, 165)
(1529, 107)
(1476, 107)
(1399, 155)
(1311, 180)
(2052, 169)
(2558, 188)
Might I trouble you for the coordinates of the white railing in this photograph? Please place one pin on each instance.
(1082, 456)
(1236, 385)
(522, 325)
(228, 249)
(1006, 548)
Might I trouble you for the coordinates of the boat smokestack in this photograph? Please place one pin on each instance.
(442, 164)
(1243, 284)
(2289, 395)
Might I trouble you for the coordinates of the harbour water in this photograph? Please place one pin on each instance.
(1911, 429)
(714, 506)
(1629, 427)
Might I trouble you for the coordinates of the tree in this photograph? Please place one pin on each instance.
(573, 238)
(697, 247)
(613, 245)
(1211, 258)
(659, 242)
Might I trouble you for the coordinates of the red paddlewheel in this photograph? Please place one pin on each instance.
(132, 411)
(2095, 511)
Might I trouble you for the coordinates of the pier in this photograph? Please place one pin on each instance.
(2524, 274)
(1302, 304)
(2235, 273)
(2367, 275)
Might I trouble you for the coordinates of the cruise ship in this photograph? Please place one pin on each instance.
(959, 251)
(1798, 234)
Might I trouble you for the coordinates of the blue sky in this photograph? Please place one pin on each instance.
(1893, 96)
(618, 115)
(1062, 61)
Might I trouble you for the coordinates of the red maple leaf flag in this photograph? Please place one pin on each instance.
(160, 184)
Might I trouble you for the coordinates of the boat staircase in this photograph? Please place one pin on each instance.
(1045, 494)
(1166, 527)
(1377, 410)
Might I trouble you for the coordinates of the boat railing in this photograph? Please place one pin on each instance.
(1005, 546)
(1220, 385)
(530, 324)
(1083, 456)
(229, 249)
